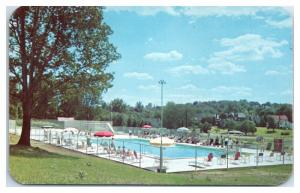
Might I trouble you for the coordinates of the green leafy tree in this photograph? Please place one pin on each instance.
(271, 123)
(129, 122)
(248, 127)
(139, 107)
(287, 110)
(118, 105)
(205, 127)
(118, 119)
(67, 44)
(231, 125)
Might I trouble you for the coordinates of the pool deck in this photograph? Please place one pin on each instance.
(184, 164)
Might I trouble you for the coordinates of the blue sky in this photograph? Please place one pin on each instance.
(203, 53)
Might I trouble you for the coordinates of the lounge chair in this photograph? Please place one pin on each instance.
(280, 156)
(260, 157)
(235, 159)
(271, 157)
(245, 158)
(222, 159)
(289, 155)
(157, 162)
(269, 146)
(195, 163)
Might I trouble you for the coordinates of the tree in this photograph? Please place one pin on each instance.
(60, 45)
(118, 120)
(139, 107)
(248, 127)
(287, 110)
(118, 105)
(129, 122)
(205, 127)
(231, 125)
(208, 120)
(271, 123)
(223, 116)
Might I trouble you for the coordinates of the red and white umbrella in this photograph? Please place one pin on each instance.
(147, 126)
(103, 134)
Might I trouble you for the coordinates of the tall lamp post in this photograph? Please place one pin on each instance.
(161, 82)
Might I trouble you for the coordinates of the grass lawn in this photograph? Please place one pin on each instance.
(46, 164)
(262, 131)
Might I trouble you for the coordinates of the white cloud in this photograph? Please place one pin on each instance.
(271, 72)
(202, 11)
(164, 56)
(287, 92)
(219, 11)
(285, 23)
(188, 69)
(145, 11)
(225, 67)
(233, 90)
(138, 75)
(148, 87)
(244, 48)
(182, 98)
(188, 87)
(214, 11)
(250, 47)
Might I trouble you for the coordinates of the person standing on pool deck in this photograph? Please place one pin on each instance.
(112, 145)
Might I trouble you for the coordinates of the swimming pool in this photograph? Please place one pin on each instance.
(174, 152)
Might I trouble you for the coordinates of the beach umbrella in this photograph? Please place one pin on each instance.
(103, 134)
(147, 126)
(71, 129)
(164, 141)
(183, 129)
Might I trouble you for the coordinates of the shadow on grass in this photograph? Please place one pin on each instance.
(25, 151)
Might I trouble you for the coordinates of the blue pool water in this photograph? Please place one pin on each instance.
(176, 151)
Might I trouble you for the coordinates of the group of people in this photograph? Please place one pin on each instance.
(221, 142)
(120, 152)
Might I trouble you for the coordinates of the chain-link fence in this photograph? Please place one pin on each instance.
(193, 151)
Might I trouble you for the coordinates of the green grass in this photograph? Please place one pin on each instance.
(46, 164)
(262, 131)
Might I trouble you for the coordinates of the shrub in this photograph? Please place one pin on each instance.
(285, 133)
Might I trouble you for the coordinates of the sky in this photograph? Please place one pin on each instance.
(203, 54)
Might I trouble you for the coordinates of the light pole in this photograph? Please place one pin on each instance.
(111, 112)
(161, 82)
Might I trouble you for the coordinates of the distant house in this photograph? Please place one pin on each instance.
(282, 121)
(255, 118)
(240, 116)
(233, 116)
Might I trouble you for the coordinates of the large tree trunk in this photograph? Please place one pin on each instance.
(25, 135)
(26, 88)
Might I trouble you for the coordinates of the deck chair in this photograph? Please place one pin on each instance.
(235, 159)
(222, 159)
(271, 157)
(280, 156)
(260, 157)
(245, 158)
(269, 146)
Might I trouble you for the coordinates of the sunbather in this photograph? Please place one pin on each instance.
(129, 154)
(208, 160)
